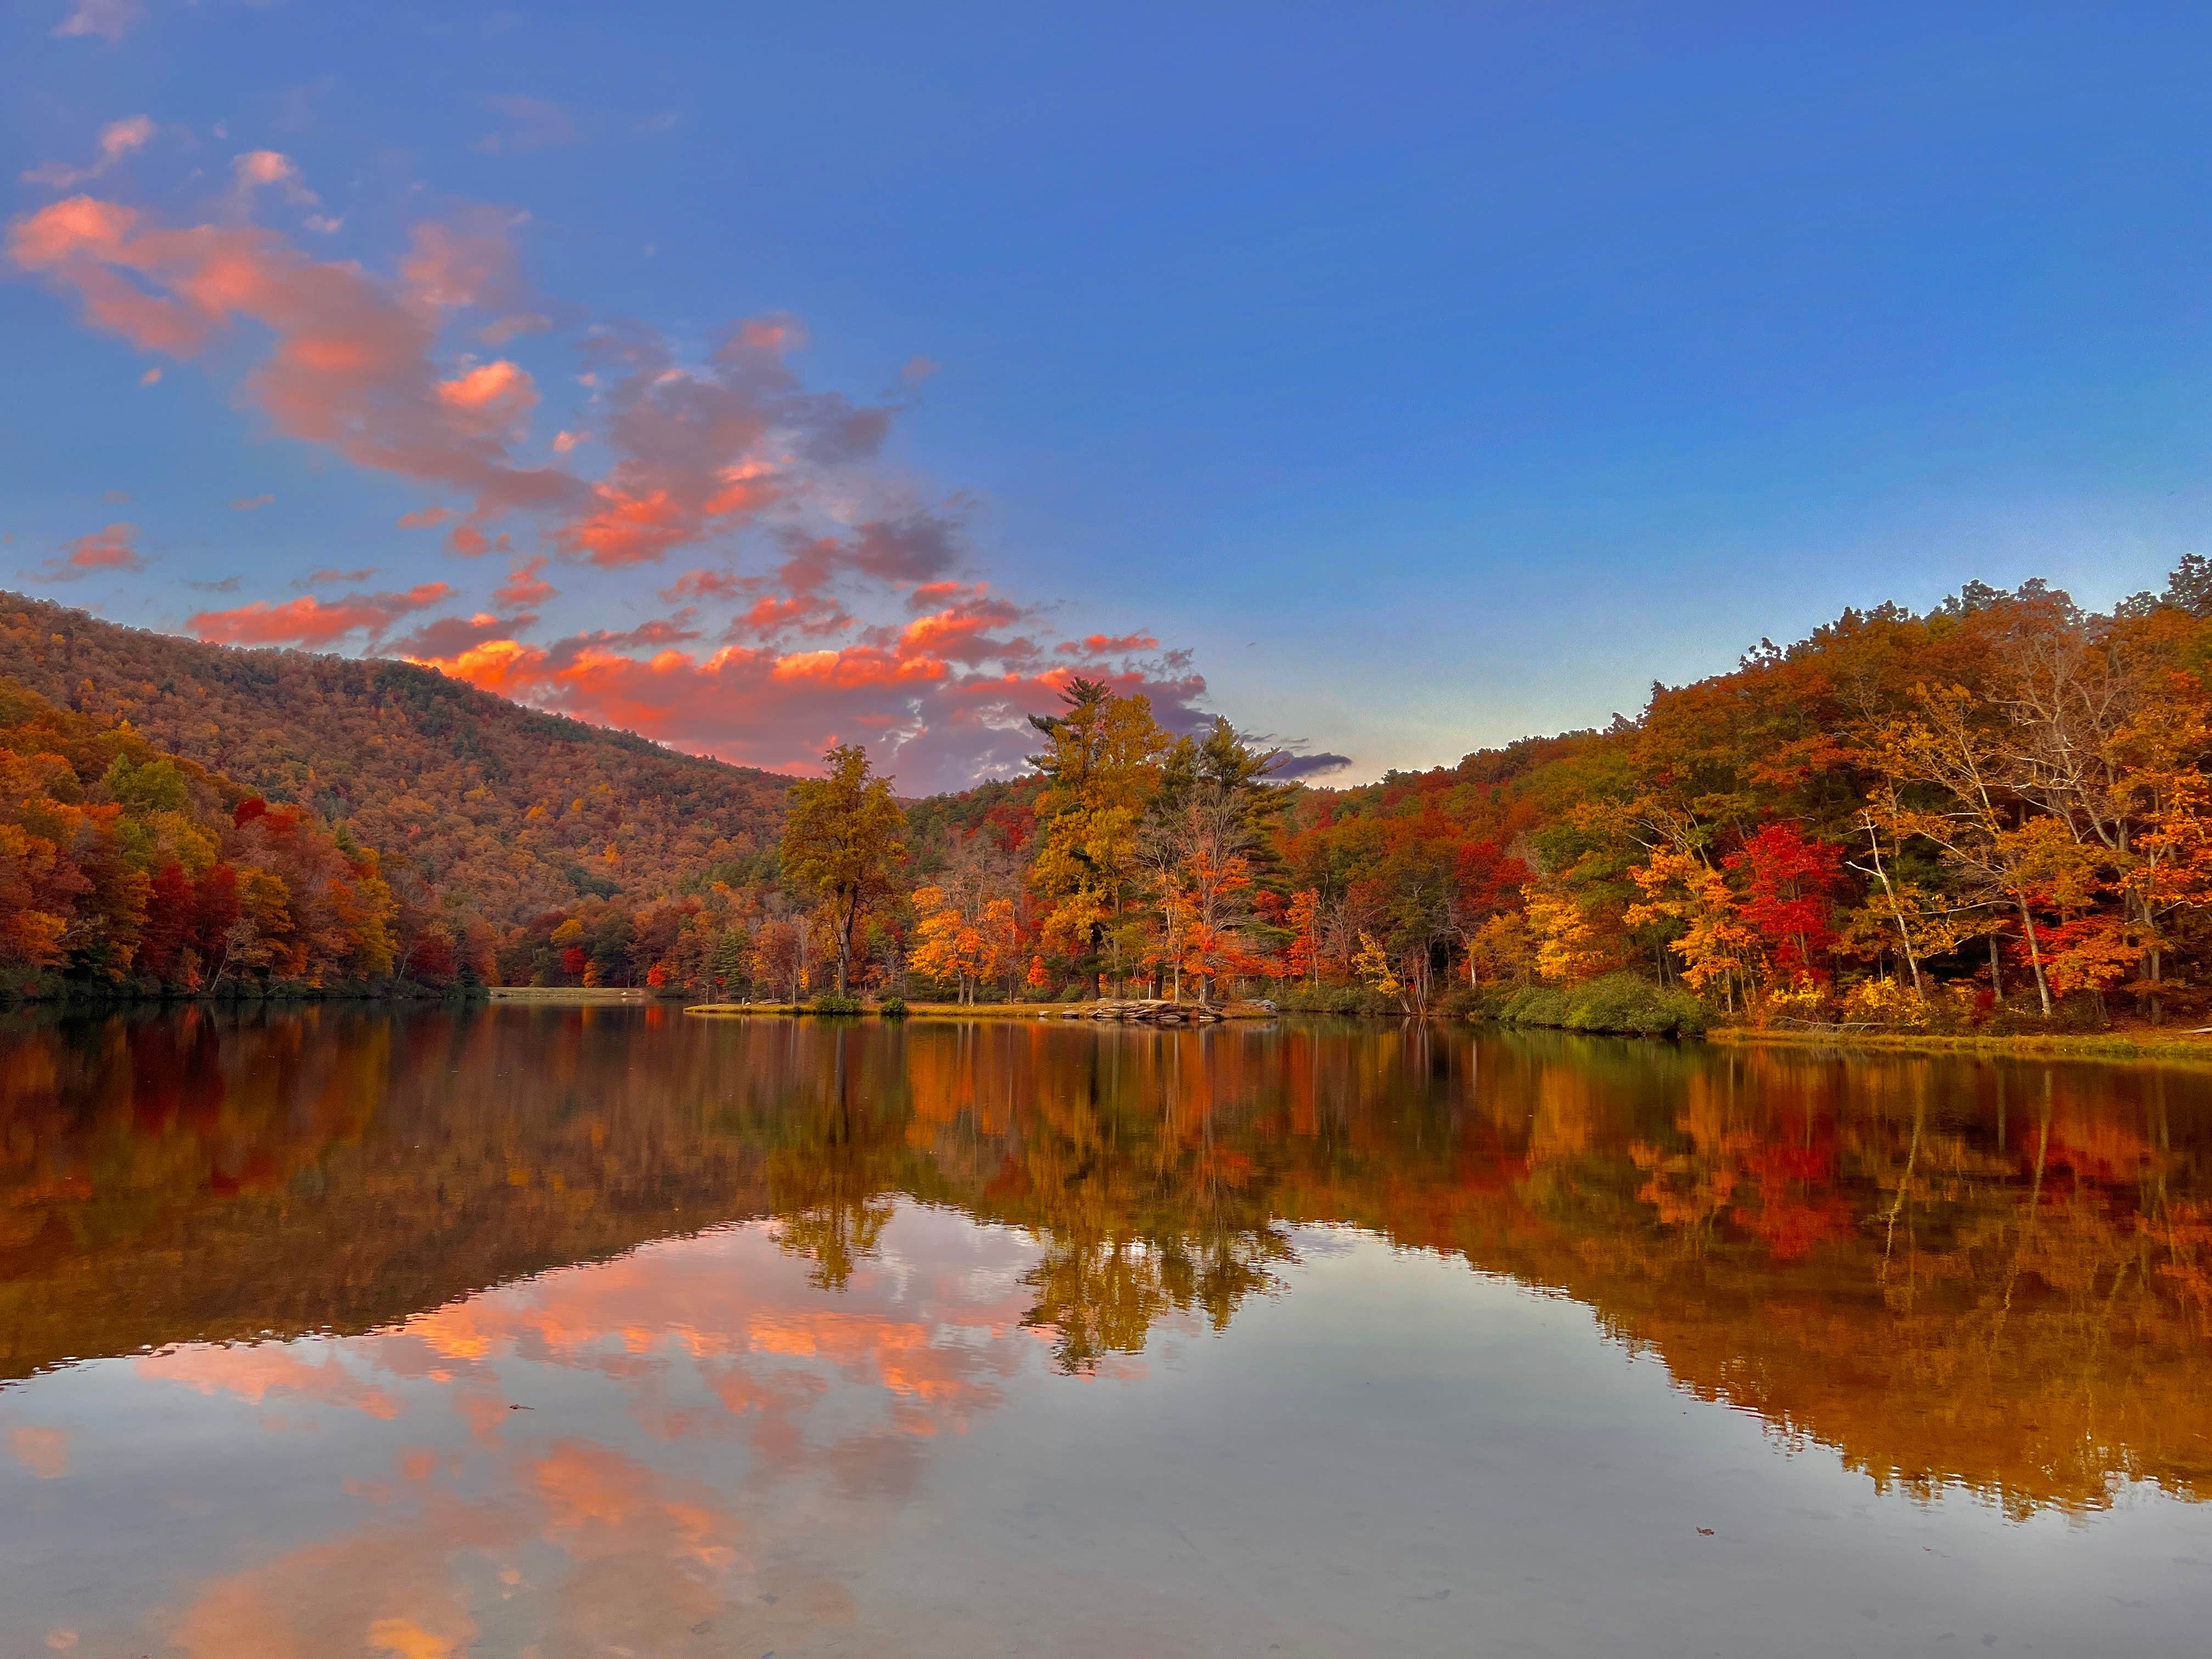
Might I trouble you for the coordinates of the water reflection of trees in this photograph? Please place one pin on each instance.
(1951, 1271)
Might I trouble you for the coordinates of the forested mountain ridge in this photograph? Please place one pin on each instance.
(1997, 812)
(502, 809)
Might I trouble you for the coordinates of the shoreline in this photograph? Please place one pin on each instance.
(1045, 1010)
(2107, 1045)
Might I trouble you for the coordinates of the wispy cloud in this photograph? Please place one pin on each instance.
(113, 548)
(311, 622)
(118, 140)
(532, 124)
(107, 20)
(860, 619)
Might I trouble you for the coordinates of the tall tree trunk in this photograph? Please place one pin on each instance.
(1896, 910)
(844, 941)
(2034, 953)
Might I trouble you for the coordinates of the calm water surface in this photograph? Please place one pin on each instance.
(562, 1333)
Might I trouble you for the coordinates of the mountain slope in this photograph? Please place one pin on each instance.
(506, 809)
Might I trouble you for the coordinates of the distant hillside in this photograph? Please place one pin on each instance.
(511, 810)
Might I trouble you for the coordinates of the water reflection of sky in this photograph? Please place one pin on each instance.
(693, 1448)
(807, 1338)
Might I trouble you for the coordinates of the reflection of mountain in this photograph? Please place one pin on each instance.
(225, 1176)
(1951, 1271)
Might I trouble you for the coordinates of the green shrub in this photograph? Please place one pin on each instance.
(1535, 1004)
(1334, 1000)
(831, 1003)
(893, 1007)
(1618, 1002)
(1465, 1002)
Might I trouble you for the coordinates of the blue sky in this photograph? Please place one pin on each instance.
(1429, 375)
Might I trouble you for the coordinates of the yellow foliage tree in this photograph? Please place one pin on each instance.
(1101, 765)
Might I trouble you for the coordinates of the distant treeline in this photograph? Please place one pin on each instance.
(1996, 813)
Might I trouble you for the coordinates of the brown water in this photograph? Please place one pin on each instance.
(552, 1332)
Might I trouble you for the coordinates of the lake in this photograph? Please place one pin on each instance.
(559, 1332)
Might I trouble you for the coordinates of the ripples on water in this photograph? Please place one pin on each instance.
(598, 1332)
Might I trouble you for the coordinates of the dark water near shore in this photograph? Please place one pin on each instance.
(564, 1332)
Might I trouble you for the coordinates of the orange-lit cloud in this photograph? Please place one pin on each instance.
(935, 714)
(525, 586)
(497, 396)
(311, 622)
(1107, 645)
(701, 448)
(113, 548)
(353, 361)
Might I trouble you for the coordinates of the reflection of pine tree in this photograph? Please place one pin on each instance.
(832, 1183)
(1102, 1296)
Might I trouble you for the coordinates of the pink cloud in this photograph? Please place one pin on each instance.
(705, 585)
(944, 721)
(703, 450)
(114, 548)
(265, 169)
(110, 20)
(351, 365)
(251, 503)
(328, 578)
(117, 140)
(311, 621)
(494, 396)
(700, 449)
(524, 586)
(1107, 645)
(961, 632)
(810, 614)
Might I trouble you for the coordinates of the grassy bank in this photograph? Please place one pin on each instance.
(2139, 1044)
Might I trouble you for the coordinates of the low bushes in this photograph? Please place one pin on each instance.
(893, 1007)
(1333, 1000)
(831, 1003)
(1618, 1002)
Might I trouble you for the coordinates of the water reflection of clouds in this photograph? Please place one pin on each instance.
(742, 1428)
(42, 1450)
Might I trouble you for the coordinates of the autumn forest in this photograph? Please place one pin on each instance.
(1993, 816)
